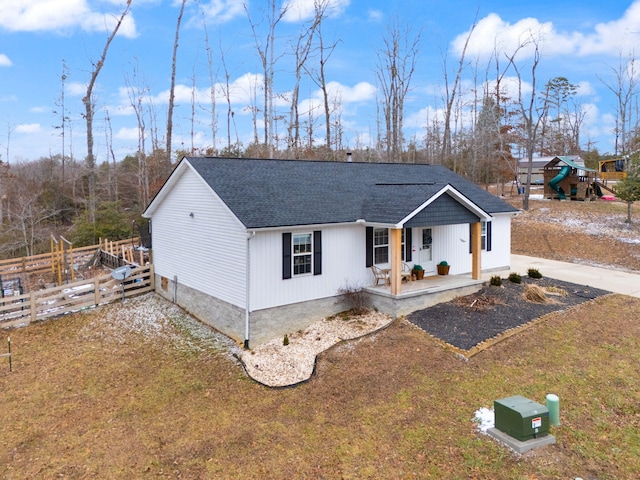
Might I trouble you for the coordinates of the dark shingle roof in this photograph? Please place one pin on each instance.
(274, 193)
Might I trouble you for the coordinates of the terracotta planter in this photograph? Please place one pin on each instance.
(443, 269)
(419, 274)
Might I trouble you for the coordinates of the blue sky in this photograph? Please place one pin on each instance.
(582, 40)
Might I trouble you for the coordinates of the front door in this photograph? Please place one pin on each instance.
(426, 251)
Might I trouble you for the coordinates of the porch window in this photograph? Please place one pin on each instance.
(485, 236)
(380, 245)
(302, 253)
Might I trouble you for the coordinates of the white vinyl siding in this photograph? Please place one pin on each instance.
(343, 262)
(451, 243)
(206, 251)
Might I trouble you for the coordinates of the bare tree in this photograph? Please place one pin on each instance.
(531, 114)
(63, 116)
(212, 86)
(625, 89)
(138, 94)
(396, 65)
(87, 100)
(266, 51)
(113, 177)
(301, 51)
(319, 76)
(450, 95)
(172, 88)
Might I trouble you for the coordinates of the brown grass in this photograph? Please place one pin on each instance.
(85, 401)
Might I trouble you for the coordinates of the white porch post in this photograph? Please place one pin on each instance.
(396, 260)
(476, 250)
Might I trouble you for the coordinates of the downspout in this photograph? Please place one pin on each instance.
(250, 235)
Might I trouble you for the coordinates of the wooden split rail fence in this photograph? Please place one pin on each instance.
(73, 297)
(47, 262)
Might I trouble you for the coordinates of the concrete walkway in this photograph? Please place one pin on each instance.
(616, 281)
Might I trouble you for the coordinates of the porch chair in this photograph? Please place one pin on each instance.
(378, 275)
(405, 274)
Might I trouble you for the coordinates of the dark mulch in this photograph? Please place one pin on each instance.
(467, 321)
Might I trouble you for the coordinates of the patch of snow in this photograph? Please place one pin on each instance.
(153, 317)
(485, 419)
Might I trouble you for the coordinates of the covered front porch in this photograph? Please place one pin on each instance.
(419, 294)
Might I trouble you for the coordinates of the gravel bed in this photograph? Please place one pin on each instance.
(468, 321)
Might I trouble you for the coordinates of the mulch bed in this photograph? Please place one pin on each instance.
(466, 322)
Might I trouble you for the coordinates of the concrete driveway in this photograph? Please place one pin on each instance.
(617, 281)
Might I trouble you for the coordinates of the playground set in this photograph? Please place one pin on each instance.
(566, 180)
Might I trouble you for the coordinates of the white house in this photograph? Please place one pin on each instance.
(258, 248)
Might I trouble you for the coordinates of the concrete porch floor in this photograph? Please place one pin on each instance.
(421, 294)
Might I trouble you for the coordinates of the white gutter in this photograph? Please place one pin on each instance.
(247, 308)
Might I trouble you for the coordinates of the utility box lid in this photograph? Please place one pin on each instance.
(521, 418)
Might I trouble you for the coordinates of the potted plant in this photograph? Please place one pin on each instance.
(418, 271)
(443, 268)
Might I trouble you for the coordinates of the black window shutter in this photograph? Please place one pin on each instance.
(407, 244)
(488, 243)
(369, 247)
(471, 238)
(286, 255)
(317, 252)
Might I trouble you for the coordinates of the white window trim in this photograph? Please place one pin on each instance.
(304, 254)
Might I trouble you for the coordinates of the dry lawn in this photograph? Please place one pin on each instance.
(137, 390)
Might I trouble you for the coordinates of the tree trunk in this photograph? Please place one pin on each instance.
(167, 165)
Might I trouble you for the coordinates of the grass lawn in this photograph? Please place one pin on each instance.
(88, 398)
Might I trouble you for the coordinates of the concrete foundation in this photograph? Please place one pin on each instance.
(264, 325)
(519, 446)
(411, 301)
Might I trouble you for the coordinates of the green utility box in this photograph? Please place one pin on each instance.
(521, 418)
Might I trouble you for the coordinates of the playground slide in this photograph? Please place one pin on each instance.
(553, 183)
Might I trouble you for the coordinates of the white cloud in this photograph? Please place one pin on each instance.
(28, 128)
(76, 89)
(300, 10)
(613, 37)
(222, 11)
(360, 92)
(127, 134)
(5, 61)
(585, 89)
(60, 16)
(492, 34)
(375, 16)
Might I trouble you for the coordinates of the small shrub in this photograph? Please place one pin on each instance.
(534, 293)
(285, 342)
(355, 297)
(496, 281)
(443, 263)
(515, 278)
(534, 273)
(561, 292)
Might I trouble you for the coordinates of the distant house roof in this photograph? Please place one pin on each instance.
(540, 162)
(274, 193)
(574, 161)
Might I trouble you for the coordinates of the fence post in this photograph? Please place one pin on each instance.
(152, 277)
(32, 305)
(96, 290)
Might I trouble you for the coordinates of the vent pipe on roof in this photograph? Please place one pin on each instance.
(348, 156)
